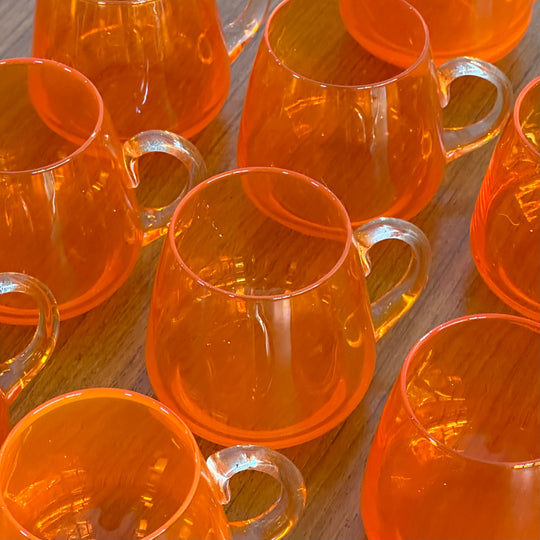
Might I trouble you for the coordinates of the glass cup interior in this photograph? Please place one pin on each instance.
(103, 465)
(528, 116)
(309, 38)
(47, 112)
(473, 385)
(261, 232)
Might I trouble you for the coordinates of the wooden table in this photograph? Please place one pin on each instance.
(105, 347)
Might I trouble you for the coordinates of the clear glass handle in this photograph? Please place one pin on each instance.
(278, 520)
(390, 307)
(239, 32)
(459, 141)
(156, 220)
(17, 372)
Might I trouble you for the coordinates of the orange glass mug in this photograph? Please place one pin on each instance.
(260, 328)
(486, 29)
(159, 64)
(457, 450)
(505, 226)
(319, 103)
(19, 370)
(109, 463)
(68, 212)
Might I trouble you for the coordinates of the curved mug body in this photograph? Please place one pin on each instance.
(260, 328)
(457, 443)
(367, 126)
(111, 463)
(505, 225)
(159, 64)
(68, 211)
(486, 29)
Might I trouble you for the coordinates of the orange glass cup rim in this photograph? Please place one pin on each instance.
(517, 109)
(30, 61)
(272, 170)
(405, 399)
(125, 2)
(402, 74)
(175, 423)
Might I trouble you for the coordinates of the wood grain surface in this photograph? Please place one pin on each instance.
(105, 347)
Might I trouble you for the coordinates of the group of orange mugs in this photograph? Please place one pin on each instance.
(261, 333)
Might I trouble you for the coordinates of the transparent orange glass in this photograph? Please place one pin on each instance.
(159, 64)
(260, 328)
(319, 103)
(486, 29)
(68, 212)
(109, 463)
(18, 371)
(457, 451)
(505, 226)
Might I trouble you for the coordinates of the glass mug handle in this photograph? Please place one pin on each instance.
(238, 33)
(279, 519)
(156, 220)
(459, 141)
(18, 371)
(392, 305)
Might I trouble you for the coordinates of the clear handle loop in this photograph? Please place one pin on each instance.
(281, 517)
(390, 307)
(18, 371)
(155, 221)
(459, 141)
(238, 33)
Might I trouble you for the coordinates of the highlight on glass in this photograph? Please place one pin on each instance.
(159, 64)
(367, 125)
(486, 29)
(18, 370)
(110, 463)
(261, 329)
(505, 225)
(69, 215)
(457, 451)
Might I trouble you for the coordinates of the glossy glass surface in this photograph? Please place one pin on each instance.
(68, 211)
(486, 29)
(370, 129)
(260, 327)
(159, 64)
(106, 464)
(18, 370)
(457, 451)
(505, 226)
(68, 215)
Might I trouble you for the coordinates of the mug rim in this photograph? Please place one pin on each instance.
(424, 54)
(33, 61)
(516, 113)
(402, 384)
(117, 2)
(115, 393)
(274, 170)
